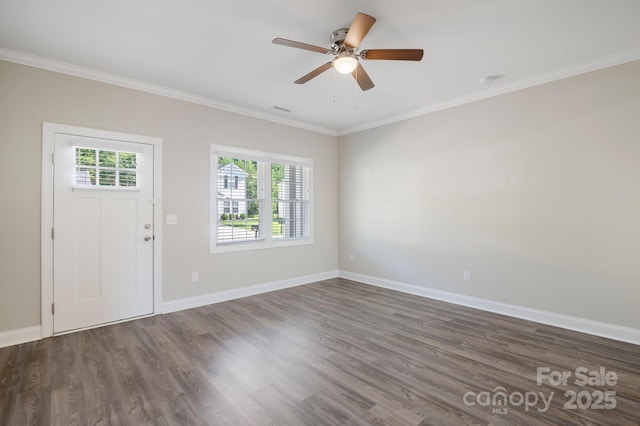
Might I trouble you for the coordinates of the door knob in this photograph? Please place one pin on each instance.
(147, 238)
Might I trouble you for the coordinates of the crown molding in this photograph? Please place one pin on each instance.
(570, 71)
(118, 80)
(130, 83)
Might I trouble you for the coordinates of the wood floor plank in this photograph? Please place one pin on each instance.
(334, 352)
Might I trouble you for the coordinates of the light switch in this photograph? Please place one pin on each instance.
(172, 219)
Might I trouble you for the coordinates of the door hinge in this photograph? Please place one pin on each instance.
(53, 158)
(53, 234)
(53, 311)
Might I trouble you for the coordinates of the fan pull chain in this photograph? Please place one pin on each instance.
(334, 85)
(356, 88)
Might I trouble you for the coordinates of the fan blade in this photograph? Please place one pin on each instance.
(314, 73)
(360, 26)
(393, 54)
(363, 79)
(305, 46)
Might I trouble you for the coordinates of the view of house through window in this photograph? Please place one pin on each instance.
(238, 204)
(259, 198)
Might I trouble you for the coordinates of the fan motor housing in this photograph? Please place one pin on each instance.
(337, 38)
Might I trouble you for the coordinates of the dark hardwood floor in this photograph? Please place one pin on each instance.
(333, 352)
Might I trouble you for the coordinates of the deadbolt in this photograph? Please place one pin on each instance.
(147, 226)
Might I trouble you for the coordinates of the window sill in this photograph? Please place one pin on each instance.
(105, 188)
(220, 248)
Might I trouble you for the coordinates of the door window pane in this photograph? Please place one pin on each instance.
(128, 160)
(107, 177)
(85, 157)
(127, 178)
(107, 158)
(96, 167)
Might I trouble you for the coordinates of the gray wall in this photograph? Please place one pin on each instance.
(536, 193)
(29, 96)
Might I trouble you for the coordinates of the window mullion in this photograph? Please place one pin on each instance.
(117, 183)
(97, 167)
(265, 204)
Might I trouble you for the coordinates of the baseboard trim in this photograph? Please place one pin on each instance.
(22, 335)
(31, 334)
(610, 331)
(223, 296)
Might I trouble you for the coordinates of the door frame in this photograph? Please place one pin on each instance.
(49, 131)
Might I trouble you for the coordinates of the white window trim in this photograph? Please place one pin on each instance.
(105, 188)
(266, 240)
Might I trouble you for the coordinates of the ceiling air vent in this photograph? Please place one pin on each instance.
(281, 109)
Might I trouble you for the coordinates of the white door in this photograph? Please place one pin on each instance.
(103, 231)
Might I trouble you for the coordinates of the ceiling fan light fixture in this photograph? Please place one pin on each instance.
(344, 44)
(345, 63)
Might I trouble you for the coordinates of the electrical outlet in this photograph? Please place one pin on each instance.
(194, 277)
(467, 275)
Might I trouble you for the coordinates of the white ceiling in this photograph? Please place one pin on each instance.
(222, 50)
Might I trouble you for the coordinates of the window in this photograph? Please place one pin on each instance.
(96, 167)
(267, 205)
(290, 195)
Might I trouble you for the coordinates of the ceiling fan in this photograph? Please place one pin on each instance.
(344, 45)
